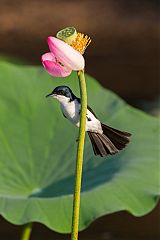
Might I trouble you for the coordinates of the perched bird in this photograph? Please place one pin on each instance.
(105, 140)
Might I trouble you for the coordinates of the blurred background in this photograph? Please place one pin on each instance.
(124, 57)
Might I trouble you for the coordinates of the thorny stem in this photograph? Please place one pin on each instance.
(79, 159)
(27, 231)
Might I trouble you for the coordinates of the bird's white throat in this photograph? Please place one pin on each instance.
(61, 98)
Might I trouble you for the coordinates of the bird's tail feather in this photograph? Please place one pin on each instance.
(110, 142)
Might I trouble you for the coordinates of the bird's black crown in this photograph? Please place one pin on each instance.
(64, 91)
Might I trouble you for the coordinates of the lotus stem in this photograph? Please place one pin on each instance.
(79, 159)
(27, 231)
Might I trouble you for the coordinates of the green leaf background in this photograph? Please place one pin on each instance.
(38, 150)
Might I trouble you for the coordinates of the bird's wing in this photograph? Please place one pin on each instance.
(88, 107)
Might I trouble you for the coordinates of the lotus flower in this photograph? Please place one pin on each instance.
(62, 58)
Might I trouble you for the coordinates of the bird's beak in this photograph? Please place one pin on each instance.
(49, 95)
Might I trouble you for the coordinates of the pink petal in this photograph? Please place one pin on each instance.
(53, 67)
(66, 54)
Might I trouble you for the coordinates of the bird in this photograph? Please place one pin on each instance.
(105, 140)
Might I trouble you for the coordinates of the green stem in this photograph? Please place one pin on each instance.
(26, 232)
(79, 160)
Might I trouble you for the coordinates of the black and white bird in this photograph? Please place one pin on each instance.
(105, 140)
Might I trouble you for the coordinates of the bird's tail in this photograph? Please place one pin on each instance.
(110, 142)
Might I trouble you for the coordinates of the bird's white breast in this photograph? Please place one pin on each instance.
(72, 109)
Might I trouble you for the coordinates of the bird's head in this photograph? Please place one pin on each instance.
(62, 94)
